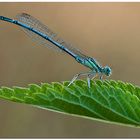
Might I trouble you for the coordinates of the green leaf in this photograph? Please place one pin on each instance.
(107, 101)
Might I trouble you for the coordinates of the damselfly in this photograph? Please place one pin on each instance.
(43, 35)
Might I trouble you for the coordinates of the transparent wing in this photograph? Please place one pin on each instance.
(36, 24)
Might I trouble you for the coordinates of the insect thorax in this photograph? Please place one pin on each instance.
(90, 63)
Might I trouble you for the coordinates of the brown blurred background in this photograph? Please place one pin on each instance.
(110, 32)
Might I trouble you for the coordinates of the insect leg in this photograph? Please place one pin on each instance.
(91, 76)
(101, 77)
(77, 75)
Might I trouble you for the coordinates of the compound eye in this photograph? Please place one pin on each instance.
(108, 71)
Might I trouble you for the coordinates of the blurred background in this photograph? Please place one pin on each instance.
(109, 32)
